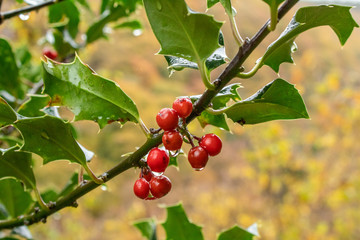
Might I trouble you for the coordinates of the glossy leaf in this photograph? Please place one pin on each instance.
(7, 114)
(237, 232)
(177, 225)
(211, 3)
(33, 106)
(72, 184)
(65, 10)
(97, 29)
(277, 100)
(133, 24)
(18, 165)
(337, 17)
(3, 213)
(8, 70)
(15, 200)
(147, 227)
(75, 85)
(182, 32)
(220, 100)
(215, 60)
(50, 138)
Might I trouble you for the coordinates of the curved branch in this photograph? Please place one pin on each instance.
(134, 160)
(14, 13)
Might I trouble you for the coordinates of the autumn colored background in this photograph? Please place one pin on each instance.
(296, 179)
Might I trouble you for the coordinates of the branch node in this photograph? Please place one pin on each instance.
(51, 205)
(26, 222)
(43, 220)
(104, 177)
(75, 204)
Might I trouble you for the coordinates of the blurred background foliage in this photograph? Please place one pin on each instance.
(297, 179)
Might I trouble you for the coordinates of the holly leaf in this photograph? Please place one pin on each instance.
(211, 3)
(15, 200)
(87, 94)
(7, 114)
(132, 24)
(147, 227)
(237, 232)
(177, 225)
(17, 165)
(337, 17)
(65, 14)
(50, 138)
(182, 32)
(33, 106)
(277, 100)
(220, 100)
(215, 60)
(9, 71)
(72, 184)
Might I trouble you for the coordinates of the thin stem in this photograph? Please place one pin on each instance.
(92, 175)
(134, 159)
(40, 200)
(274, 18)
(205, 76)
(217, 111)
(253, 71)
(16, 12)
(144, 128)
(235, 31)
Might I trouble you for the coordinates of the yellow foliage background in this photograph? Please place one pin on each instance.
(296, 179)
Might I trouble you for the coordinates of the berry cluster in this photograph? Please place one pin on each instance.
(152, 184)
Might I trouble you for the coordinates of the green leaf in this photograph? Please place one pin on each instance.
(66, 9)
(337, 17)
(96, 30)
(277, 100)
(177, 225)
(88, 95)
(9, 72)
(220, 100)
(17, 165)
(237, 232)
(133, 24)
(147, 227)
(3, 213)
(13, 197)
(215, 60)
(72, 184)
(7, 114)
(182, 32)
(50, 138)
(211, 3)
(32, 107)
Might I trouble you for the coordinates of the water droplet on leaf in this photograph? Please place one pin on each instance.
(104, 187)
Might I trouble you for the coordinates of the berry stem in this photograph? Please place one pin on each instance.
(40, 200)
(144, 128)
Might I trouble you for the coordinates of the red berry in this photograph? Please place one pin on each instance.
(52, 54)
(167, 119)
(141, 188)
(211, 143)
(198, 158)
(183, 106)
(172, 140)
(147, 174)
(157, 160)
(160, 186)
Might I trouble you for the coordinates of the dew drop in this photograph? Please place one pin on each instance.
(104, 188)
(24, 16)
(158, 5)
(137, 32)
